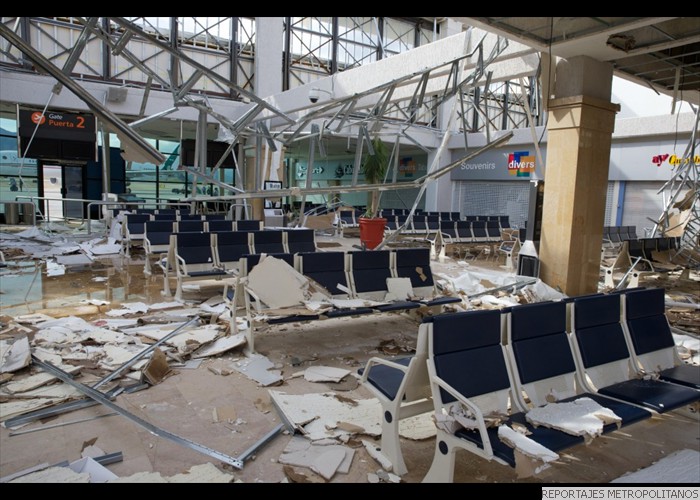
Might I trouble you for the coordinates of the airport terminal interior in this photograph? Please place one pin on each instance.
(350, 250)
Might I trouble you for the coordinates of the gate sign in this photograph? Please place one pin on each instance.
(57, 125)
(55, 135)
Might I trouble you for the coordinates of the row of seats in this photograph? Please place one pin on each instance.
(420, 221)
(471, 231)
(596, 346)
(198, 255)
(618, 234)
(352, 275)
(134, 226)
(642, 250)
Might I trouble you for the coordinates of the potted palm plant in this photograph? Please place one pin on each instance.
(375, 167)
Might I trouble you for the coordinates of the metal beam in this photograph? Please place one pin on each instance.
(75, 52)
(100, 398)
(195, 64)
(211, 180)
(126, 135)
(296, 191)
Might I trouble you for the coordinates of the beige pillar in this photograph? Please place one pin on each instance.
(576, 177)
(257, 204)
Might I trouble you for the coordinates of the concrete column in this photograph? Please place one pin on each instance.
(580, 125)
(268, 55)
(252, 164)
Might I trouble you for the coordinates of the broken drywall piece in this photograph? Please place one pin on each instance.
(418, 427)
(376, 454)
(204, 473)
(303, 453)
(157, 368)
(47, 355)
(129, 308)
(97, 472)
(327, 463)
(257, 367)
(217, 309)
(325, 374)
(220, 345)
(527, 447)
(348, 303)
(99, 279)
(115, 324)
(35, 234)
(498, 301)
(14, 355)
(99, 246)
(33, 319)
(54, 475)
(54, 269)
(37, 380)
(185, 341)
(118, 355)
(317, 415)
(540, 292)
(400, 288)
(277, 283)
(79, 259)
(581, 417)
(679, 467)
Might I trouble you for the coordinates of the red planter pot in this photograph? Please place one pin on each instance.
(372, 231)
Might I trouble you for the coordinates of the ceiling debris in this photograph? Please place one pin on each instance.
(324, 460)
(316, 416)
(257, 367)
(204, 473)
(581, 417)
(156, 368)
(374, 452)
(219, 346)
(325, 374)
(530, 456)
(14, 355)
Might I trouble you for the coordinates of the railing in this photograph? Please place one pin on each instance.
(86, 208)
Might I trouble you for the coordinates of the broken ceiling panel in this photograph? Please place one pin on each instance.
(317, 415)
(14, 355)
(277, 283)
(219, 346)
(581, 417)
(325, 460)
(260, 369)
(325, 374)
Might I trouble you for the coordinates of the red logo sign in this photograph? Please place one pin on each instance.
(38, 117)
(658, 159)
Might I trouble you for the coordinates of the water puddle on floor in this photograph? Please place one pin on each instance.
(28, 287)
